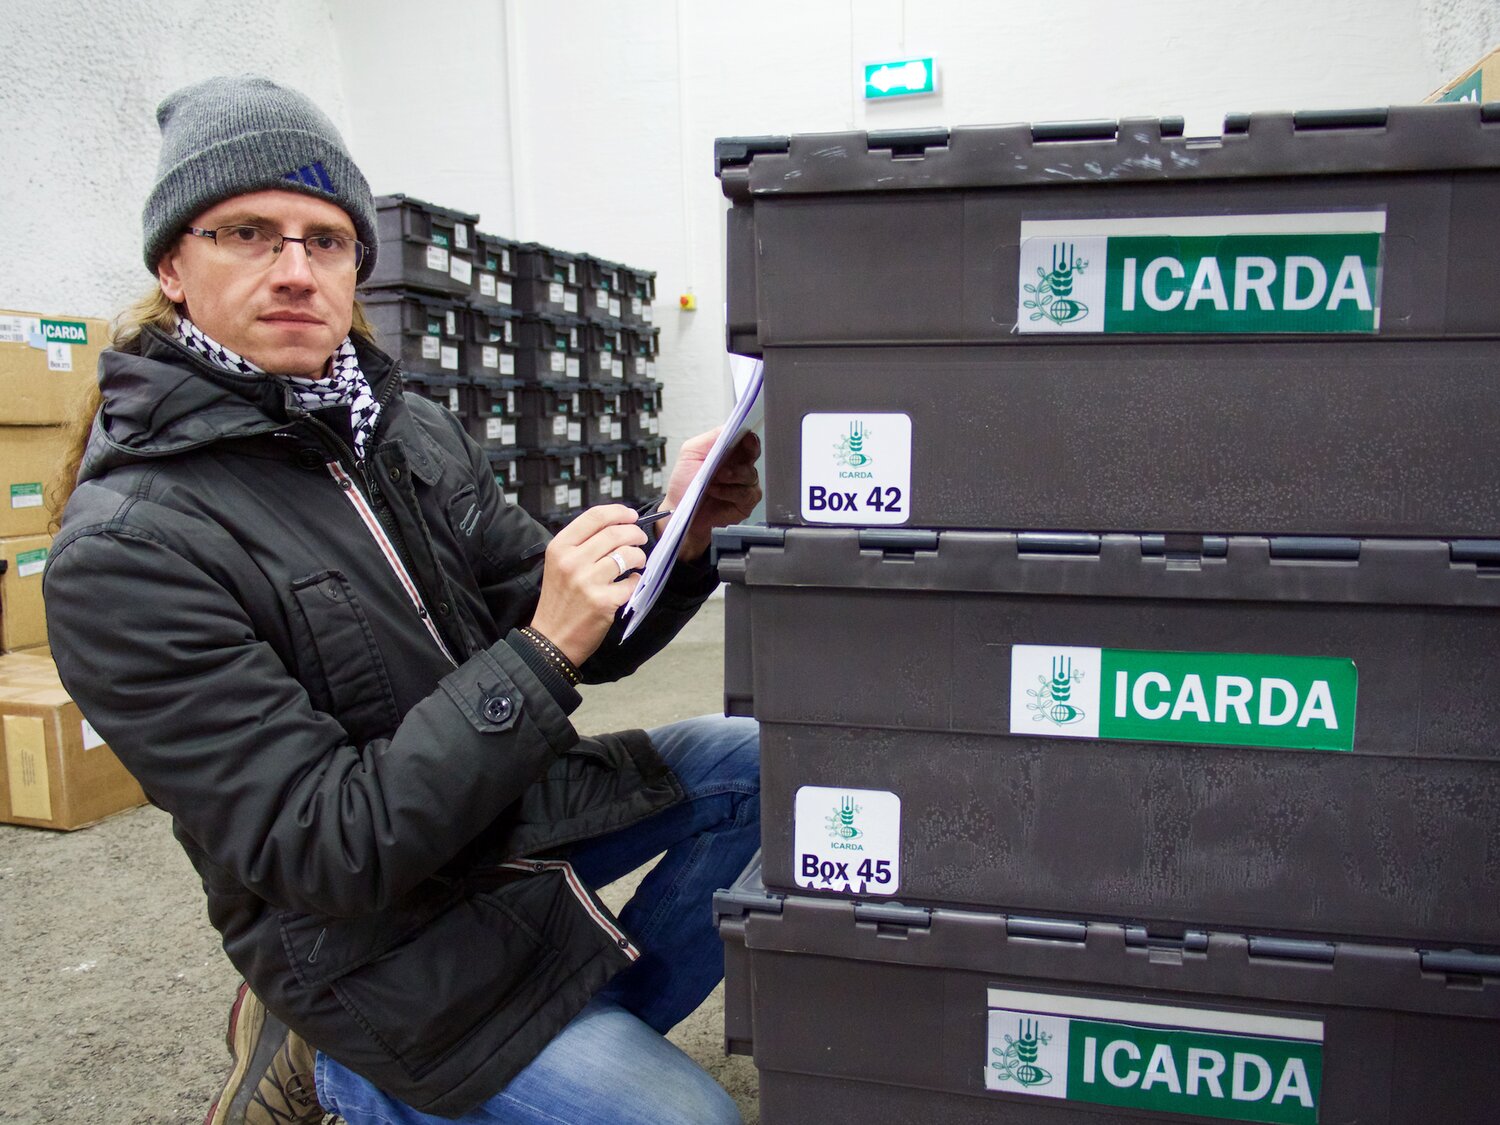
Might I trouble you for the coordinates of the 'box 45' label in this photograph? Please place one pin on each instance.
(847, 840)
(856, 468)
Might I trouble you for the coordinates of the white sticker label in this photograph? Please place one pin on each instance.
(653, 425)
(555, 293)
(453, 399)
(614, 306)
(512, 498)
(640, 366)
(650, 370)
(489, 355)
(573, 367)
(560, 496)
(1034, 668)
(461, 236)
(643, 419)
(615, 431)
(570, 301)
(487, 284)
(560, 425)
(635, 306)
(505, 260)
(493, 428)
(616, 488)
(557, 361)
(450, 321)
(646, 314)
(437, 259)
(502, 292)
(59, 357)
(12, 330)
(617, 369)
(26, 495)
(575, 431)
(508, 434)
(856, 468)
(508, 366)
(601, 298)
(510, 402)
(572, 273)
(575, 497)
(449, 358)
(847, 840)
(30, 563)
(91, 739)
(462, 271)
(430, 347)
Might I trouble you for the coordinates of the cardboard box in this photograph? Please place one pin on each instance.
(55, 771)
(23, 624)
(46, 363)
(29, 459)
(1480, 83)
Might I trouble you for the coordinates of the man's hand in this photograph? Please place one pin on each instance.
(581, 584)
(730, 497)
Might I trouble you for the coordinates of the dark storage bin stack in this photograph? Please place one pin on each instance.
(529, 346)
(494, 271)
(1122, 636)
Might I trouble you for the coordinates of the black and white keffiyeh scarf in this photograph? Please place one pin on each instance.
(344, 383)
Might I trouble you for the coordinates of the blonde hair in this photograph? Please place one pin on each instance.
(153, 310)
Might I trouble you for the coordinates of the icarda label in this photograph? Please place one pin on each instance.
(1219, 274)
(1230, 699)
(1224, 1065)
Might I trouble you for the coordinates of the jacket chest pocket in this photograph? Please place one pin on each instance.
(341, 666)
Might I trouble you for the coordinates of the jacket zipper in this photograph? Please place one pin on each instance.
(375, 500)
(570, 877)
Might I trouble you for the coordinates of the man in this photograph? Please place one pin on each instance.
(298, 608)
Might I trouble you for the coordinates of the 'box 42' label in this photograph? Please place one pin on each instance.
(847, 840)
(856, 468)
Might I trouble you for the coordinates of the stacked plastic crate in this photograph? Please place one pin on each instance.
(547, 357)
(1122, 636)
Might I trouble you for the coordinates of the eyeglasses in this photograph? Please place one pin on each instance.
(256, 246)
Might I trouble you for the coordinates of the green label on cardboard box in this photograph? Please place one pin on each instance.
(27, 495)
(65, 332)
(29, 563)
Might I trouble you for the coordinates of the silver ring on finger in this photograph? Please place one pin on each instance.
(619, 561)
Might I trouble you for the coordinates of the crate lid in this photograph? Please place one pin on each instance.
(412, 296)
(1306, 143)
(401, 200)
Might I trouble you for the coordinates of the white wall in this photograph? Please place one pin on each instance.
(78, 136)
(589, 124)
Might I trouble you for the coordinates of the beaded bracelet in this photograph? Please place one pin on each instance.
(553, 655)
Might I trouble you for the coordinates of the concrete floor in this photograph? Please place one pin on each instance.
(114, 991)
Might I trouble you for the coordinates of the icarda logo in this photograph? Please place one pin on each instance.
(850, 449)
(1016, 1061)
(1052, 296)
(842, 831)
(1051, 700)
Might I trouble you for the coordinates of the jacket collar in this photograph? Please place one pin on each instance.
(168, 400)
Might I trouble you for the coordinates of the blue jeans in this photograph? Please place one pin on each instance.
(610, 1065)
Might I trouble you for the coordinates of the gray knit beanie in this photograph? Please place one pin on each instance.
(229, 136)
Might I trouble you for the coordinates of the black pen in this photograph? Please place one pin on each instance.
(654, 517)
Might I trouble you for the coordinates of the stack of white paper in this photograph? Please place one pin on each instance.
(748, 375)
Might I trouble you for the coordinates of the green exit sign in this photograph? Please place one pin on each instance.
(900, 78)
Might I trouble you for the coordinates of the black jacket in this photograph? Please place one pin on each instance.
(219, 605)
